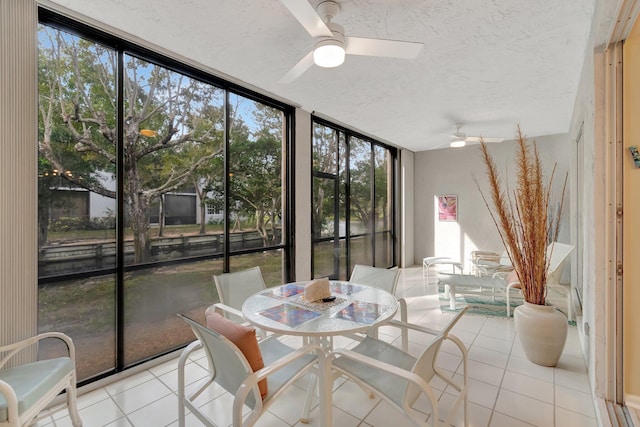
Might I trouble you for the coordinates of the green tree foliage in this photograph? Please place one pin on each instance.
(172, 126)
(364, 167)
(325, 155)
(255, 168)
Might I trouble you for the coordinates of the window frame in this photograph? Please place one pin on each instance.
(121, 47)
(349, 134)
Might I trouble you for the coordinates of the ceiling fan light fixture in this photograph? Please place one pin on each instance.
(329, 53)
(458, 143)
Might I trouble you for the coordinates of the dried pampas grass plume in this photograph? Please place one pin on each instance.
(522, 216)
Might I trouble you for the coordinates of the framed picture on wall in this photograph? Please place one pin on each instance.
(448, 208)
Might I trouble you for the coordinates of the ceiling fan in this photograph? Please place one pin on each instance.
(460, 139)
(331, 45)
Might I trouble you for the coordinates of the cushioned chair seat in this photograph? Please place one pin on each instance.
(32, 381)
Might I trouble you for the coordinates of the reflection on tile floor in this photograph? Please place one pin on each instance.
(506, 390)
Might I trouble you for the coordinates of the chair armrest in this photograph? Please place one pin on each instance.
(504, 275)
(463, 351)
(13, 349)
(221, 308)
(11, 399)
(263, 373)
(457, 341)
(186, 352)
(406, 325)
(224, 308)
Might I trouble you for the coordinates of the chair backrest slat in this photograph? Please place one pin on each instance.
(559, 253)
(381, 278)
(234, 288)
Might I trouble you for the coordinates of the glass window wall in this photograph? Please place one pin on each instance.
(153, 177)
(353, 200)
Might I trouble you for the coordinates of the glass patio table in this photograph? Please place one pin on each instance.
(356, 308)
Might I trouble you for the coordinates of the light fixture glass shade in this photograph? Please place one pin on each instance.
(329, 53)
(458, 143)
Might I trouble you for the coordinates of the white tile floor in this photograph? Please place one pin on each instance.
(506, 390)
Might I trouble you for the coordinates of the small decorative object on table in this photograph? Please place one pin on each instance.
(317, 290)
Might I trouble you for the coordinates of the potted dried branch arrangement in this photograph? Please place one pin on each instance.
(527, 225)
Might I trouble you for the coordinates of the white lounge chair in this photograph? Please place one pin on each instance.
(502, 284)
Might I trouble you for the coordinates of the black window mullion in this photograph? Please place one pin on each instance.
(226, 136)
(372, 194)
(347, 202)
(290, 231)
(120, 260)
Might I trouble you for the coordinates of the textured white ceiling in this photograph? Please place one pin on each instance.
(486, 63)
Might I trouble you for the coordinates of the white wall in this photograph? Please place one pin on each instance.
(593, 217)
(590, 113)
(101, 206)
(302, 197)
(455, 171)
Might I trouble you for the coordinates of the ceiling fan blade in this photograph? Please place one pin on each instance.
(381, 47)
(486, 140)
(303, 65)
(308, 18)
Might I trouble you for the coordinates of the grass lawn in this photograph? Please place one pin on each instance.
(85, 309)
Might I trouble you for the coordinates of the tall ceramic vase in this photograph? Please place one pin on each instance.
(542, 330)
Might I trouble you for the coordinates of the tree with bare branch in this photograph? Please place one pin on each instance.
(167, 116)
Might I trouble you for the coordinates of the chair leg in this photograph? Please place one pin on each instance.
(311, 388)
(72, 403)
(452, 296)
(181, 397)
(509, 288)
(404, 318)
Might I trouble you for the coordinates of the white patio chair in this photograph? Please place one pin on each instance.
(378, 277)
(487, 267)
(479, 259)
(233, 289)
(386, 279)
(229, 368)
(400, 378)
(27, 389)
